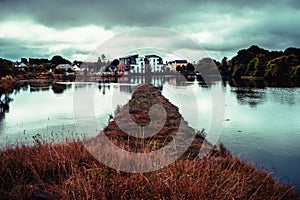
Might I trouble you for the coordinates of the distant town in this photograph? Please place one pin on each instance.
(254, 63)
(135, 64)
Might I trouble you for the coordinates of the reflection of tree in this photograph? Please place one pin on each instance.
(4, 104)
(20, 87)
(202, 84)
(234, 82)
(250, 96)
(59, 88)
(102, 87)
(284, 95)
(103, 90)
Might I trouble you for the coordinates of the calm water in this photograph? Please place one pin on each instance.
(260, 125)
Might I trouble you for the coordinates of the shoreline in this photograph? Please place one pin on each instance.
(70, 169)
(8, 83)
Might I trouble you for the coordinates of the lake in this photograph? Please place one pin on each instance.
(261, 123)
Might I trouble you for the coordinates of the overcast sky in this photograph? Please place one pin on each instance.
(43, 28)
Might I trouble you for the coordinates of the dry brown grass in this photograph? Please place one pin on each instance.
(68, 171)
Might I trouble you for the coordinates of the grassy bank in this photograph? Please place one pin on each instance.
(6, 83)
(68, 171)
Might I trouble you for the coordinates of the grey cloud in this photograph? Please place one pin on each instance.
(15, 49)
(69, 13)
(272, 24)
(16, 52)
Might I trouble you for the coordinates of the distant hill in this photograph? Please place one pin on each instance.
(258, 62)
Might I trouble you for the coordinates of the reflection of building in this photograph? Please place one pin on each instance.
(126, 88)
(141, 65)
(157, 81)
(177, 81)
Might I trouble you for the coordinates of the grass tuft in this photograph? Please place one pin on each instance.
(68, 171)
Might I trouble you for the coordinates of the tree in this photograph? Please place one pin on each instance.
(295, 73)
(179, 68)
(257, 66)
(24, 60)
(78, 63)
(206, 66)
(103, 58)
(223, 66)
(281, 67)
(38, 61)
(190, 67)
(5, 67)
(224, 62)
(59, 60)
(115, 62)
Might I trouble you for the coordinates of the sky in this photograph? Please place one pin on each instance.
(73, 29)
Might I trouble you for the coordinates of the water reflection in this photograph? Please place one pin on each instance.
(253, 92)
(247, 92)
(5, 99)
(59, 88)
(285, 95)
(250, 96)
(40, 86)
(263, 125)
(262, 83)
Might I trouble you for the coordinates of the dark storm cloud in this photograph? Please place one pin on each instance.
(68, 13)
(272, 24)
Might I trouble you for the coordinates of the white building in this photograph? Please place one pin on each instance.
(171, 65)
(139, 66)
(19, 64)
(76, 68)
(155, 63)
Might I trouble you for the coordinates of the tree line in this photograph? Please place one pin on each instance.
(258, 62)
(254, 62)
(32, 65)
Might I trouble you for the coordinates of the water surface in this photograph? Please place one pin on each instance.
(260, 124)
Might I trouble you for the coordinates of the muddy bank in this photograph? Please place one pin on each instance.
(133, 130)
(8, 83)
